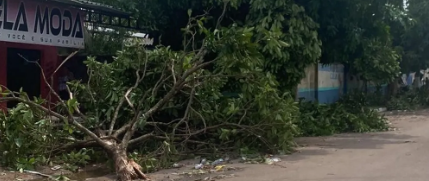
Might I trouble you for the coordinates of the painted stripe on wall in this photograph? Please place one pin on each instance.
(320, 89)
(327, 95)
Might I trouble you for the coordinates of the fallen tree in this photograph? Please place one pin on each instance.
(125, 103)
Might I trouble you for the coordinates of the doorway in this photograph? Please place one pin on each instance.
(23, 72)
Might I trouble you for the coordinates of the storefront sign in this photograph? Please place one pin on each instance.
(34, 22)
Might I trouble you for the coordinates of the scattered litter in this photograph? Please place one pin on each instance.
(55, 168)
(2, 174)
(193, 172)
(252, 159)
(219, 167)
(272, 160)
(217, 162)
(276, 159)
(176, 165)
(199, 166)
(269, 159)
(201, 169)
(393, 129)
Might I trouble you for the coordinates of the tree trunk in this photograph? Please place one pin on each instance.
(393, 88)
(126, 169)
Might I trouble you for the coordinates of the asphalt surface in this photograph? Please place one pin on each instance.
(401, 155)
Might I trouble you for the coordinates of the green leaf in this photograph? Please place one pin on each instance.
(189, 12)
(18, 142)
(72, 104)
(70, 130)
(32, 161)
(284, 44)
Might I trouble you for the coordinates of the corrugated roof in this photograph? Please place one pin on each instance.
(90, 5)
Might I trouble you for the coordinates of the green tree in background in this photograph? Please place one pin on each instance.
(415, 41)
(359, 35)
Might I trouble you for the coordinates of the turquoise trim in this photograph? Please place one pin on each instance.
(305, 90)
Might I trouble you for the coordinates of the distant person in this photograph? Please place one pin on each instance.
(66, 77)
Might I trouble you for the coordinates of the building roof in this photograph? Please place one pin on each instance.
(96, 12)
(92, 6)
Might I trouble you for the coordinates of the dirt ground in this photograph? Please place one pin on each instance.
(398, 155)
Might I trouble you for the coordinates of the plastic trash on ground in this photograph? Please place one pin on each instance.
(217, 162)
(272, 160)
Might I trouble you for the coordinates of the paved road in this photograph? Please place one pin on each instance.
(401, 155)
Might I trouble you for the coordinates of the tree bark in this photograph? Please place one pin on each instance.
(126, 169)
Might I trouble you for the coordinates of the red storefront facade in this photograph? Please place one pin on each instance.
(34, 29)
(48, 61)
(37, 26)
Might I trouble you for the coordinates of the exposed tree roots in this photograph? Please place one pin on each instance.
(127, 169)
